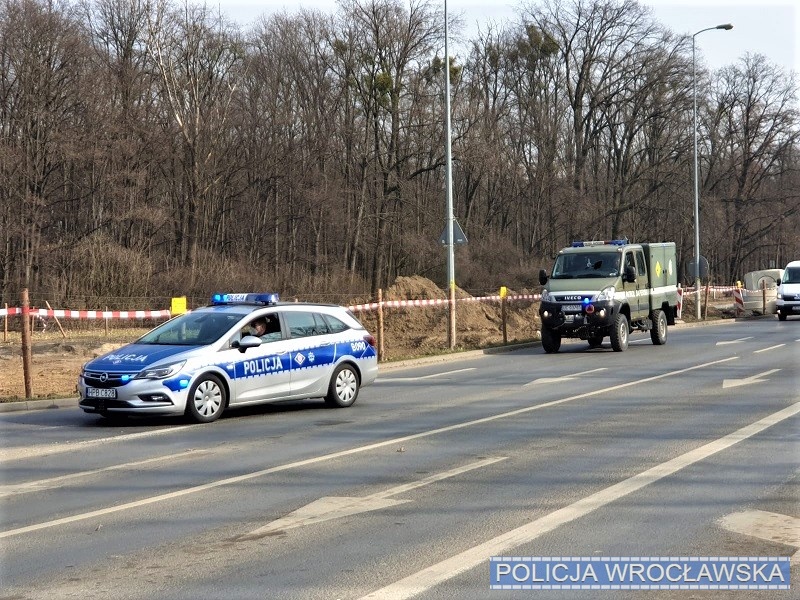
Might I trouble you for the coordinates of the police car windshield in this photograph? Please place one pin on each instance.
(586, 265)
(191, 329)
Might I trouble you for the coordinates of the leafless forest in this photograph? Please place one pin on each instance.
(152, 148)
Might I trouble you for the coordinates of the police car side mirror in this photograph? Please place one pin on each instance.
(542, 276)
(248, 341)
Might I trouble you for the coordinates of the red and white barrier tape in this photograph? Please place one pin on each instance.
(89, 314)
(438, 301)
(165, 314)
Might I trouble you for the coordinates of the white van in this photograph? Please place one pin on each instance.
(788, 301)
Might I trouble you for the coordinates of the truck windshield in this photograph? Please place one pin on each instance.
(586, 265)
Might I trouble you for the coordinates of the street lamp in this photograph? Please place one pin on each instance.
(726, 27)
(451, 275)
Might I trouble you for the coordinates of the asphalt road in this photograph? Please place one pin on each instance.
(688, 449)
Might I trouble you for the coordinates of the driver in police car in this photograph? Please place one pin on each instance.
(267, 328)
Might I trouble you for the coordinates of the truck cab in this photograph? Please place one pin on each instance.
(609, 288)
(788, 294)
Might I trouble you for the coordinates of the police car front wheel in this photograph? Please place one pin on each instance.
(206, 399)
(343, 387)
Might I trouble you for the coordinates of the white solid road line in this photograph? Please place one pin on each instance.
(425, 579)
(342, 453)
(412, 379)
(51, 482)
(334, 507)
(22, 452)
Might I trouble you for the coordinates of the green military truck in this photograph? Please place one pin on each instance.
(609, 288)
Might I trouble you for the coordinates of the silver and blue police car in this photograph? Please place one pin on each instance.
(243, 349)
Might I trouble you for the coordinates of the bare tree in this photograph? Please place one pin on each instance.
(42, 55)
(196, 54)
(755, 123)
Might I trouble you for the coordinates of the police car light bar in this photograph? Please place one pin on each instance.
(621, 242)
(244, 299)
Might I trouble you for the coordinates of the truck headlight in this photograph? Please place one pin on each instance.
(606, 294)
(161, 371)
(546, 297)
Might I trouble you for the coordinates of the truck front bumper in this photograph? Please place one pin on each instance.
(579, 321)
(787, 307)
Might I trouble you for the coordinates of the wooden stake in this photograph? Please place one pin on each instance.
(504, 319)
(55, 318)
(27, 359)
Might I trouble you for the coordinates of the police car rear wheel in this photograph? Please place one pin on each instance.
(343, 388)
(206, 399)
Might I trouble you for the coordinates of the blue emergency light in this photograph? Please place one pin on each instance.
(270, 298)
(586, 244)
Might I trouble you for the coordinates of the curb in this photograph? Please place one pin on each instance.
(7, 407)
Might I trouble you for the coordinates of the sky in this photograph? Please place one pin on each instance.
(770, 28)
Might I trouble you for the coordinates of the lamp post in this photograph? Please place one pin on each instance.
(726, 27)
(451, 276)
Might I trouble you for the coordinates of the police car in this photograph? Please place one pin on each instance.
(207, 360)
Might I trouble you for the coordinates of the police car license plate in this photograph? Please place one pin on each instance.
(101, 393)
(572, 308)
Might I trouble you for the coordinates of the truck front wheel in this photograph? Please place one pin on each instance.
(619, 333)
(551, 341)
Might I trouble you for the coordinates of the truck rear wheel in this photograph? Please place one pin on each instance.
(659, 331)
(619, 333)
(551, 341)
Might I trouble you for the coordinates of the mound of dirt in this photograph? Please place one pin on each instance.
(420, 330)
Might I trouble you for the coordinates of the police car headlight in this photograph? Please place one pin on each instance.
(606, 294)
(161, 371)
(546, 297)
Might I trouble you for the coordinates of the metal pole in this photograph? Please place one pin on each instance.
(451, 275)
(726, 26)
(696, 189)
